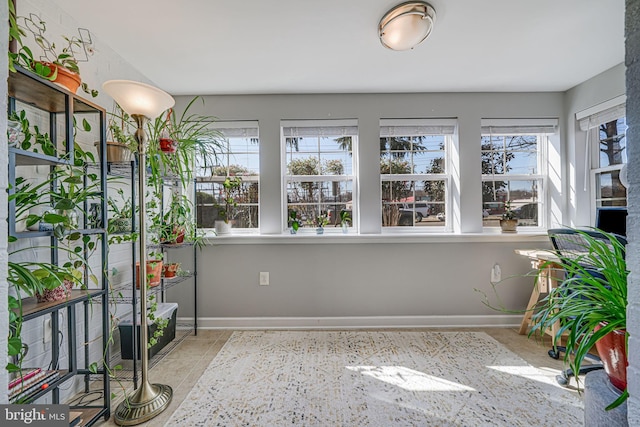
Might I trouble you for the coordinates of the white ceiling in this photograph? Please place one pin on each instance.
(193, 47)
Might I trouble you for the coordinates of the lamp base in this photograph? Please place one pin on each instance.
(130, 413)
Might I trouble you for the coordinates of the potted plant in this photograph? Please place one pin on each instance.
(121, 144)
(177, 220)
(170, 270)
(590, 307)
(319, 222)
(230, 190)
(192, 136)
(345, 220)
(61, 66)
(121, 214)
(294, 222)
(509, 220)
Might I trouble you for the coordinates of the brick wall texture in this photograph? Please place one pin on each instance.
(632, 61)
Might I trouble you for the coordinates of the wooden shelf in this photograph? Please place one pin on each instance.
(45, 95)
(32, 308)
(88, 414)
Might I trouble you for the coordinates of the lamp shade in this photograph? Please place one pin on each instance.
(139, 98)
(406, 25)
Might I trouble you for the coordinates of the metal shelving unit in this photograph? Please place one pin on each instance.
(126, 292)
(30, 91)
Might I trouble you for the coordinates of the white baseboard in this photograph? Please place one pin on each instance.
(353, 322)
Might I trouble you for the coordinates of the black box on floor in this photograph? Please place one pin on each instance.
(165, 310)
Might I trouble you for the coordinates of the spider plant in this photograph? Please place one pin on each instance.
(592, 300)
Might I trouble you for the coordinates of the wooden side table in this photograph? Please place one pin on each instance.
(549, 277)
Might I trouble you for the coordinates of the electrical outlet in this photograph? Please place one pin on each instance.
(496, 273)
(264, 278)
(46, 330)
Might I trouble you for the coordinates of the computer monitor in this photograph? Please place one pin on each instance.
(612, 220)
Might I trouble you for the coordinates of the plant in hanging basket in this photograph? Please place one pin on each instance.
(167, 143)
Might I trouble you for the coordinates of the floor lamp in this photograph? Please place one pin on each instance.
(142, 102)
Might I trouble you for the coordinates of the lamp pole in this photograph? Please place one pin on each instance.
(141, 102)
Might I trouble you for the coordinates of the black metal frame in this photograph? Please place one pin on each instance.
(27, 87)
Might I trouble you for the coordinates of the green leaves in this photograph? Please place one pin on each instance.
(591, 301)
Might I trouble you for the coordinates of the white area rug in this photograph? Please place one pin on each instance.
(344, 378)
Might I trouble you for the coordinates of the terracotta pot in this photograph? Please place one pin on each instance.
(178, 236)
(65, 78)
(60, 293)
(154, 268)
(170, 270)
(612, 350)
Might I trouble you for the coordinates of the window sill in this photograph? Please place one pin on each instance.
(530, 238)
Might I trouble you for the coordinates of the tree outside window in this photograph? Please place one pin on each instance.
(320, 176)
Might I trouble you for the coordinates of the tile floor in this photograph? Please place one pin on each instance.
(184, 365)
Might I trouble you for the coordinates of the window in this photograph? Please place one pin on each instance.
(609, 156)
(239, 156)
(320, 169)
(414, 172)
(514, 168)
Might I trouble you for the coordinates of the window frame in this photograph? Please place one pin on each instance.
(445, 127)
(595, 169)
(252, 130)
(542, 129)
(350, 129)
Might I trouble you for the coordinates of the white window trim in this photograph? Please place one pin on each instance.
(440, 126)
(598, 117)
(350, 126)
(542, 128)
(253, 127)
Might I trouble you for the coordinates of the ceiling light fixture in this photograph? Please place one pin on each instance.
(406, 25)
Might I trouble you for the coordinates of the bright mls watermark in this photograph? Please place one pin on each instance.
(34, 415)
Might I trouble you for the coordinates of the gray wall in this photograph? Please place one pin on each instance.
(603, 87)
(358, 284)
(633, 147)
(353, 277)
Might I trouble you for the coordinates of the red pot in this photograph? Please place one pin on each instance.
(168, 145)
(612, 349)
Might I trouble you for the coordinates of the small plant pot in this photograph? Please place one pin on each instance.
(154, 268)
(222, 227)
(509, 225)
(65, 78)
(168, 145)
(60, 293)
(176, 237)
(170, 270)
(320, 230)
